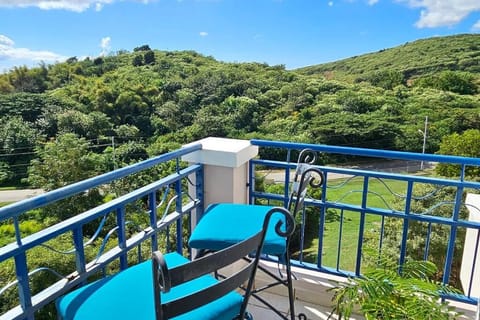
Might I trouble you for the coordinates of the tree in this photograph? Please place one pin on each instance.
(454, 81)
(210, 121)
(244, 112)
(126, 132)
(149, 57)
(90, 126)
(387, 79)
(466, 144)
(137, 61)
(5, 86)
(5, 173)
(130, 152)
(98, 61)
(31, 106)
(145, 47)
(372, 130)
(128, 106)
(357, 102)
(16, 134)
(17, 140)
(28, 80)
(63, 161)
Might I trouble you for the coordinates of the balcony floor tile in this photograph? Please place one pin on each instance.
(313, 312)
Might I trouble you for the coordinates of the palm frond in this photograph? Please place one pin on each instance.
(395, 292)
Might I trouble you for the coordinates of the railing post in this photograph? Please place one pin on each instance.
(199, 190)
(152, 204)
(23, 285)
(361, 228)
(79, 250)
(321, 222)
(453, 235)
(178, 208)
(122, 240)
(225, 168)
(406, 223)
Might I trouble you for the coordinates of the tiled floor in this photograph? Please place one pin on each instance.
(313, 312)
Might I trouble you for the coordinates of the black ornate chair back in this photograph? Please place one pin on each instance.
(166, 279)
(306, 175)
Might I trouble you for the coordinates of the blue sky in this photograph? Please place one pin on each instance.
(295, 33)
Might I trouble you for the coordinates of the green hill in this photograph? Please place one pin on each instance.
(149, 101)
(426, 56)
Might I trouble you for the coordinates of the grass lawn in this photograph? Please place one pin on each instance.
(351, 193)
(14, 186)
(7, 188)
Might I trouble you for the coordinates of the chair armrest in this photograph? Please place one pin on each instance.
(161, 272)
(289, 220)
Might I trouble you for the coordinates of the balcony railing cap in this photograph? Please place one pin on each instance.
(222, 152)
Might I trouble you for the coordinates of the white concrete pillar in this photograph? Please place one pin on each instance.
(473, 202)
(225, 168)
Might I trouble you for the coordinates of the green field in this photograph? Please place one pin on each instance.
(351, 192)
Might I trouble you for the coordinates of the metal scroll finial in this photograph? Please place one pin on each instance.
(307, 156)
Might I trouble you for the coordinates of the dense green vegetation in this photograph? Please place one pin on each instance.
(405, 62)
(385, 293)
(160, 98)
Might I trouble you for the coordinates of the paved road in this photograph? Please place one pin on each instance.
(278, 176)
(17, 195)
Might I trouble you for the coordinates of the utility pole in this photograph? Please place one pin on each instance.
(113, 153)
(424, 132)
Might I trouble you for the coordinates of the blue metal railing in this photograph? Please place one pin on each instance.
(372, 214)
(166, 194)
(403, 224)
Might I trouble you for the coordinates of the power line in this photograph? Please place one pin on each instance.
(89, 147)
(16, 154)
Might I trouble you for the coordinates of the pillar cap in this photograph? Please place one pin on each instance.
(222, 152)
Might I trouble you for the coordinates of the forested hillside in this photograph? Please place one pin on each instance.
(426, 56)
(144, 102)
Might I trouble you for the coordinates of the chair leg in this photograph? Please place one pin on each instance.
(288, 283)
(291, 292)
(280, 280)
(291, 295)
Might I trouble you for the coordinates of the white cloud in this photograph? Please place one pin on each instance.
(105, 45)
(372, 2)
(476, 26)
(72, 5)
(6, 41)
(203, 34)
(8, 51)
(438, 13)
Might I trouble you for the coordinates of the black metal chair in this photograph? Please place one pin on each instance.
(225, 224)
(172, 287)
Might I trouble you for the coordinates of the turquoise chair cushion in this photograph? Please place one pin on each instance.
(129, 295)
(225, 224)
